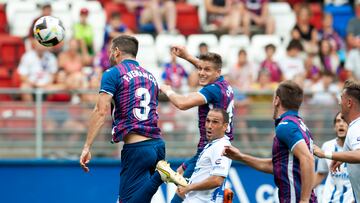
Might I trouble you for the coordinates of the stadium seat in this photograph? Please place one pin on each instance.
(13, 48)
(3, 19)
(128, 18)
(230, 45)
(317, 14)
(164, 42)
(187, 21)
(96, 15)
(195, 39)
(146, 54)
(341, 16)
(284, 17)
(20, 15)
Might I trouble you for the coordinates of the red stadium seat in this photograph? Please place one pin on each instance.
(3, 19)
(127, 17)
(317, 14)
(11, 50)
(187, 21)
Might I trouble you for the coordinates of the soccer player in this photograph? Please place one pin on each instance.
(292, 160)
(215, 93)
(131, 92)
(350, 111)
(337, 186)
(208, 180)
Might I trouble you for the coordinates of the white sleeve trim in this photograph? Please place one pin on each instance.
(219, 174)
(203, 97)
(292, 148)
(106, 92)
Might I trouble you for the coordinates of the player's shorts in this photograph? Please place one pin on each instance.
(138, 162)
(189, 165)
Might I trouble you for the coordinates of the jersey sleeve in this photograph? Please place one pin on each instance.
(289, 133)
(354, 141)
(110, 81)
(220, 164)
(210, 93)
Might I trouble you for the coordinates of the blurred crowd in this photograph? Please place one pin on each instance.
(320, 60)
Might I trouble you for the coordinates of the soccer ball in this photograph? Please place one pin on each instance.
(49, 31)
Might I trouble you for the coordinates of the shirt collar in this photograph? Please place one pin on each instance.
(221, 78)
(352, 122)
(130, 61)
(288, 113)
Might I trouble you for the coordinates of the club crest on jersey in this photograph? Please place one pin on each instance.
(358, 139)
(218, 161)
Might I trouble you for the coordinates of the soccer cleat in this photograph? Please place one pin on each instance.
(168, 175)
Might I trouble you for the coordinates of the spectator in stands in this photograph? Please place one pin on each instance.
(115, 27)
(353, 27)
(327, 59)
(270, 65)
(353, 60)
(312, 74)
(327, 32)
(243, 73)
(304, 31)
(203, 49)
(257, 12)
(71, 60)
(292, 64)
(37, 68)
(325, 91)
(174, 74)
(154, 11)
(84, 31)
(224, 15)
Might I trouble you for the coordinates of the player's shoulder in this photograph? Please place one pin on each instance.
(330, 144)
(285, 125)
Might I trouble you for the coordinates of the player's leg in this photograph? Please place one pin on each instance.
(137, 175)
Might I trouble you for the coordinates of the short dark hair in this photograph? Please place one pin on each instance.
(242, 51)
(352, 88)
(295, 44)
(223, 112)
(270, 46)
(115, 15)
(126, 44)
(213, 58)
(203, 44)
(334, 121)
(290, 94)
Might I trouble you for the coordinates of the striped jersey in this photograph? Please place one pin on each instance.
(289, 131)
(217, 95)
(337, 186)
(135, 99)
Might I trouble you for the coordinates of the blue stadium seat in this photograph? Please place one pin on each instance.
(341, 16)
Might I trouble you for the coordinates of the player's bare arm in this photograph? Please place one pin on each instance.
(180, 51)
(207, 184)
(183, 102)
(97, 119)
(307, 165)
(348, 156)
(262, 164)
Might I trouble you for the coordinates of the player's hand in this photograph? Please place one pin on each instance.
(180, 170)
(335, 166)
(85, 159)
(180, 51)
(318, 152)
(182, 191)
(232, 152)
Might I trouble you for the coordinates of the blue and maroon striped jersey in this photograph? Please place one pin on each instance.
(135, 99)
(217, 95)
(290, 130)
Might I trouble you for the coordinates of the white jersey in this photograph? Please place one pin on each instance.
(210, 163)
(352, 143)
(337, 186)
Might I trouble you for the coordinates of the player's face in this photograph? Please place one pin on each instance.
(114, 52)
(207, 73)
(340, 126)
(344, 104)
(215, 126)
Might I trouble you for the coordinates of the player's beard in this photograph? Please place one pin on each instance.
(112, 60)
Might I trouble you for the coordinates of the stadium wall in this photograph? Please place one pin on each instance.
(63, 181)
